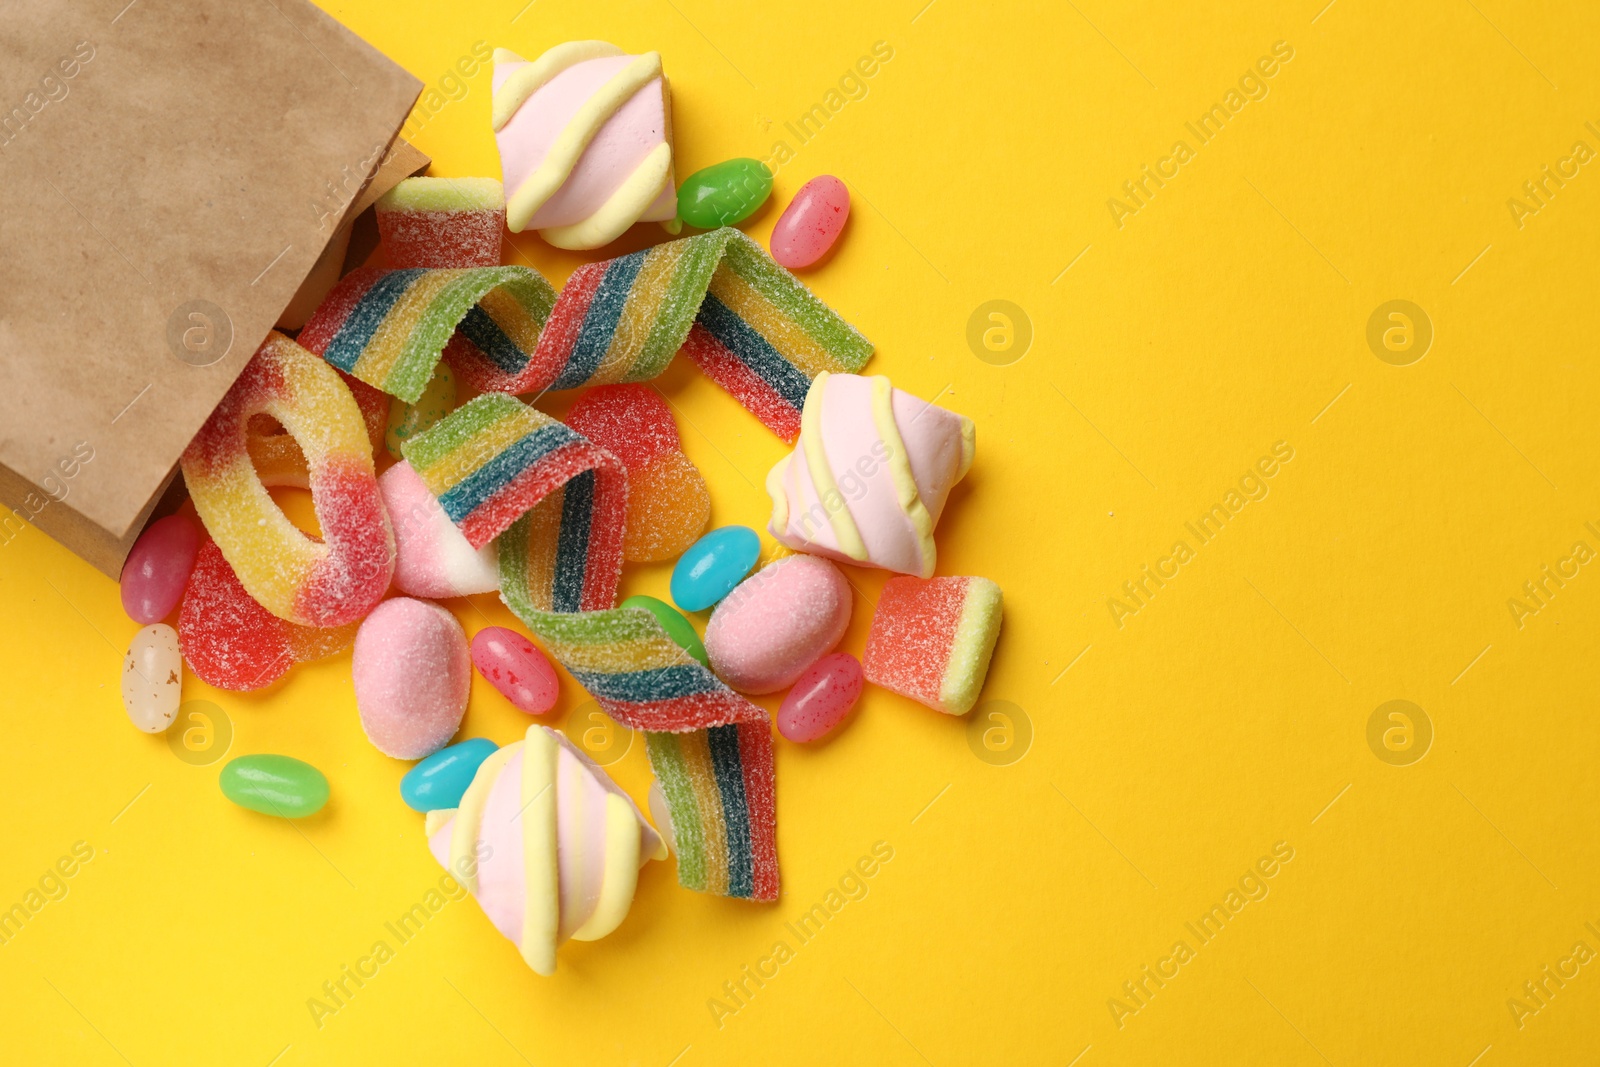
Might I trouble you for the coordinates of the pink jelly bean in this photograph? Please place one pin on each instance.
(821, 698)
(515, 667)
(811, 223)
(158, 568)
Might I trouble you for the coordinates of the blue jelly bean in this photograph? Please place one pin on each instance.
(442, 779)
(713, 566)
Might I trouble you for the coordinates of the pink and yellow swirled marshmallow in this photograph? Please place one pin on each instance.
(870, 474)
(548, 845)
(585, 139)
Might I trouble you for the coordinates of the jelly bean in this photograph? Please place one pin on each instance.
(724, 194)
(713, 566)
(438, 399)
(274, 785)
(811, 223)
(821, 698)
(517, 668)
(674, 623)
(440, 780)
(778, 622)
(412, 675)
(152, 678)
(158, 568)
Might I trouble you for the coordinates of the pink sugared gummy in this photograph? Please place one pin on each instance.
(158, 568)
(516, 667)
(821, 699)
(412, 675)
(811, 223)
(777, 622)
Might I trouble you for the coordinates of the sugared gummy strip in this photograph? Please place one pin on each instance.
(323, 583)
(495, 457)
(710, 747)
(390, 327)
(931, 640)
(748, 323)
(560, 565)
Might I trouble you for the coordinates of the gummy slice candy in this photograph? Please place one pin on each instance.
(668, 503)
(442, 222)
(232, 642)
(756, 330)
(931, 640)
(313, 583)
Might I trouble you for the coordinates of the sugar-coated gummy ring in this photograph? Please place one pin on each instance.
(327, 583)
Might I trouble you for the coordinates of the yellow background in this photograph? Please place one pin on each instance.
(1230, 713)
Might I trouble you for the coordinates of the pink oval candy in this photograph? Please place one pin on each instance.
(517, 668)
(158, 568)
(811, 223)
(821, 698)
(412, 676)
(777, 622)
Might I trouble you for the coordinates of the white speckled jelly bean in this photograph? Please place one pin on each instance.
(152, 678)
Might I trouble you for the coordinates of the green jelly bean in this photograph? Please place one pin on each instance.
(674, 623)
(724, 194)
(438, 399)
(275, 785)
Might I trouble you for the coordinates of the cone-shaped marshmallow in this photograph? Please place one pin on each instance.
(548, 844)
(870, 474)
(585, 138)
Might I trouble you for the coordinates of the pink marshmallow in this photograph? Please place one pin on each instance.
(412, 675)
(778, 622)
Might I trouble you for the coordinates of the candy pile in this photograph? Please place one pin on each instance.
(417, 366)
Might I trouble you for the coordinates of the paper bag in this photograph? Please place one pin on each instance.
(171, 172)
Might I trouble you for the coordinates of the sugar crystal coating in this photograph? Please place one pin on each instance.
(442, 222)
(778, 622)
(327, 582)
(232, 642)
(931, 640)
(668, 503)
(412, 674)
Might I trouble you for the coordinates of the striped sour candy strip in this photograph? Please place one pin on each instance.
(748, 323)
(556, 503)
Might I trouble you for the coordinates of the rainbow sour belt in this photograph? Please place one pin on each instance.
(496, 460)
(748, 323)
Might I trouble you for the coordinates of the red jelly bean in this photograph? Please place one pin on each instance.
(821, 699)
(811, 223)
(158, 568)
(517, 668)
